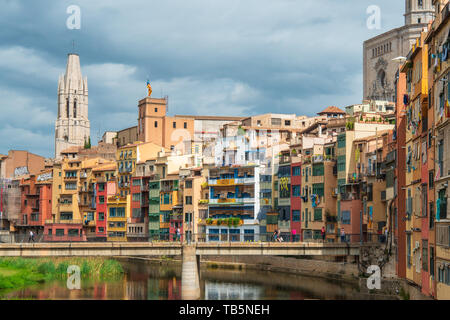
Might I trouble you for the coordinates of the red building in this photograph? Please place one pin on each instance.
(101, 209)
(296, 201)
(36, 204)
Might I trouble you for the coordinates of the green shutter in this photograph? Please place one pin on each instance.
(318, 214)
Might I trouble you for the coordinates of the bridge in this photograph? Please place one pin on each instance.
(190, 253)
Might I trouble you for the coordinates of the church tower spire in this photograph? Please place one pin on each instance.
(72, 127)
(418, 11)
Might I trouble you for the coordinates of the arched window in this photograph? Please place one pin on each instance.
(75, 109)
(381, 78)
(67, 107)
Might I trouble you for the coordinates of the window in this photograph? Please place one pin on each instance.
(296, 215)
(408, 249)
(185, 125)
(101, 230)
(318, 214)
(59, 232)
(276, 121)
(136, 212)
(156, 124)
(188, 184)
(345, 217)
(296, 171)
(318, 189)
(73, 232)
(90, 216)
(296, 191)
(156, 110)
(431, 216)
(75, 108)
(136, 197)
(101, 199)
(174, 124)
(101, 187)
(431, 179)
(136, 182)
(66, 216)
(432, 262)
(425, 255)
(50, 232)
(188, 200)
(101, 216)
(318, 170)
(287, 122)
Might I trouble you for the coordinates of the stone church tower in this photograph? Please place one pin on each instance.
(379, 69)
(72, 127)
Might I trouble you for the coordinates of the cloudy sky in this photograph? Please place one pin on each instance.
(211, 57)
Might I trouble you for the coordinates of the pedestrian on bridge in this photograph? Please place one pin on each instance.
(31, 238)
(342, 235)
(323, 233)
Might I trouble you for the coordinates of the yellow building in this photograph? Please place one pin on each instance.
(127, 157)
(118, 213)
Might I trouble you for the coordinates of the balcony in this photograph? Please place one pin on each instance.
(231, 182)
(354, 178)
(349, 196)
(176, 217)
(236, 201)
(61, 221)
(317, 159)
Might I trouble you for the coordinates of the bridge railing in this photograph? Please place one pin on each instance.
(201, 237)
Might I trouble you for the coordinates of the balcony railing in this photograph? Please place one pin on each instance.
(232, 201)
(61, 221)
(354, 177)
(230, 182)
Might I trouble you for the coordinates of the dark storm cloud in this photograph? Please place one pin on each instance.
(211, 57)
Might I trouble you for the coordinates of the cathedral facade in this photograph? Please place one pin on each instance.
(379, 69)
(72, 127)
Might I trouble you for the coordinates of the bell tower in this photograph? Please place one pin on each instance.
(72, 127)
(418, 11)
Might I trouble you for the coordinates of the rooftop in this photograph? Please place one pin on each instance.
(332, 109)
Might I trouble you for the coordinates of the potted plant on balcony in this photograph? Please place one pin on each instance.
(209, 221)
(236, 222)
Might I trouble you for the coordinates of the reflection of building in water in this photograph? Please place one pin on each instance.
(162, 289)
(99, 291)
(231, 291)
(136, 290)
(174, 289)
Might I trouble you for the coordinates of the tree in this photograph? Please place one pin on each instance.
(87, 144)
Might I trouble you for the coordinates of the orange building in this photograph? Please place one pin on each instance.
(155, 126)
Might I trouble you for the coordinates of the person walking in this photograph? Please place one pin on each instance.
(31, 236)
(279, 237)
(342, 235)
(178, 234)
(274, 235)
(323, 233)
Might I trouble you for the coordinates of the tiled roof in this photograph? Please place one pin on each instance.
(332, 109)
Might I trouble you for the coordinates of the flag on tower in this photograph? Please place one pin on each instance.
(149, 88)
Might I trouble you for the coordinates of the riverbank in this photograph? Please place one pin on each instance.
(18, 273)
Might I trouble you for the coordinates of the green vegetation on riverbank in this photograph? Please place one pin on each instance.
(16, 273)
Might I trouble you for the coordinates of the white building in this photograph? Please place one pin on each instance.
(72, 127)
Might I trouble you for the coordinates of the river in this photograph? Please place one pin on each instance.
(152, 281)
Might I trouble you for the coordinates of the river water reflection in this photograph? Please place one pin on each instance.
(149, 281)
